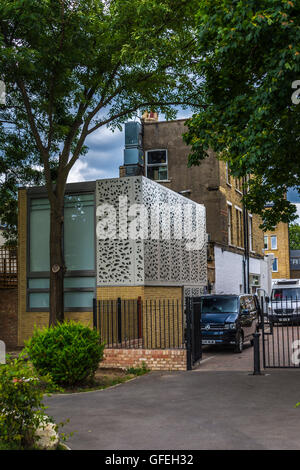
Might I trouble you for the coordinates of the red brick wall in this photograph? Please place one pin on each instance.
(155, 359)
(9, 317)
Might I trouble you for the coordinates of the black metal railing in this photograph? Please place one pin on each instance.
(280, 326)
(133, 323)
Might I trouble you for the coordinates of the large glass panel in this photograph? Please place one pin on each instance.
(79, 232)
(75, 282)
(79, 299)
(39, 235)
(39, 300)
(39, 283)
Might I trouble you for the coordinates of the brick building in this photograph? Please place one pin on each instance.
(236, 261)
(107, 268)
(295, 264)
(276, 243)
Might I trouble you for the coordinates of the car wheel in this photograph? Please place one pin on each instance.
(239, 343)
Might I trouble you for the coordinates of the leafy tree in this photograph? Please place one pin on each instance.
(17, 168)
(294, 235)
(249, 55)
(73, 66)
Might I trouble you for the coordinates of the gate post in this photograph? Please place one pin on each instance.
(188, 333)
(95, 314)
(256, 354)
(119, 308)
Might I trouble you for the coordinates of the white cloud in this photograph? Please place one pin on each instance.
(105, 154)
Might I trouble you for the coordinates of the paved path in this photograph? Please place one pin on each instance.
(216, 358)
(186, 410)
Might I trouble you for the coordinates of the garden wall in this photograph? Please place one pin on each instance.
(155, 359)
(9, 317)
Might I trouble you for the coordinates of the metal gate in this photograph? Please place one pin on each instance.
(280, 327)
(193, 330)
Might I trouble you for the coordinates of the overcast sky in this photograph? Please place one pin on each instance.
(105, 154)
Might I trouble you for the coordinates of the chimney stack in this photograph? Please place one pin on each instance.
(149, 116)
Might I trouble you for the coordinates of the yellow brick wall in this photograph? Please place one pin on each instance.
(282, 252)
(235, 197)
(162, 319)
(124, 292)
(28, 320)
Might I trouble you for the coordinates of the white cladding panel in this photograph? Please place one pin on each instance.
(154, 260)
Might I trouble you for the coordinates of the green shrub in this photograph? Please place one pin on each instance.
(21, 407)
(70, 352)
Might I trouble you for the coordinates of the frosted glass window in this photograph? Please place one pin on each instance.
(39, 235)
(39, 300)
(79, 236)
(79, 299)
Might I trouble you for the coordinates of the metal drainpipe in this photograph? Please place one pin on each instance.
(246, 246)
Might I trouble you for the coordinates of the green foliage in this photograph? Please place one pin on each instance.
(70, 352)
(248, 59)
(21, 404)
(86, 65)
(138, 370)
(294, 235)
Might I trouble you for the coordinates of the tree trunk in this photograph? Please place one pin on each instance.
(56, 262)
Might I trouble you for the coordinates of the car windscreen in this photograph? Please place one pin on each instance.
(219, 305)
(286, 294)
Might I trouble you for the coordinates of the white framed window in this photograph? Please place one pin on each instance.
(250, 228)
(266, 242)
(239, 227)
(239, 185)
(157, 164)
(229, 222)
(275, 265)
(228, 175)
(273, 242)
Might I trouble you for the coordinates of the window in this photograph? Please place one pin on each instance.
(229, 215)
(219, 304)
(275, 265)
(266, 242)
(157, 165)
(239, 184)
(250, 225)
(239, 227)
(280, 294)
(228, 175)
(273, 242)
(79, 232)
(79, 253)
(39, 234)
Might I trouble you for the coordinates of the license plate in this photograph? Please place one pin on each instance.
(208, 341)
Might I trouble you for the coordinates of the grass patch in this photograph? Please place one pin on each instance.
(105, 378)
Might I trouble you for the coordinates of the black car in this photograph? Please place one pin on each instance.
(229, 319)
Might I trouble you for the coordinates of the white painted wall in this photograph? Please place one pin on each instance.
(229, 272)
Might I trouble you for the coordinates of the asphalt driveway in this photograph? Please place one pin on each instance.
(186, 410)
